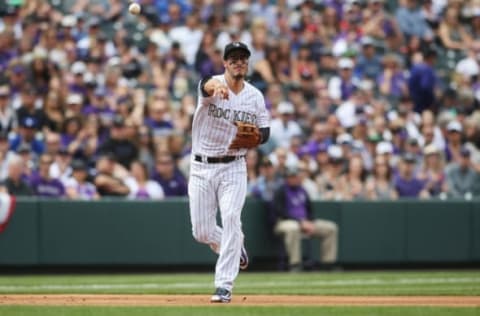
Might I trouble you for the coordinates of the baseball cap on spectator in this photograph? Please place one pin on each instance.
(24, 148)
(291, 171)
(78, 165)
(28, 122)
(231, 47)
(335, 153)
(374, 138)
(454, 126)
(430, 150)
(100, 92)
(344, 139)
(239, 7)
(468, 67)
(69, 21)
(266, 162)
(366, 41)
(63, 150)
(93, 22)
(345, 63)
(384, 148)
(285, 107)
(409, 158)
(40, 53)
(78, 68)
(412, 141)
(465, 152)
(74, 98)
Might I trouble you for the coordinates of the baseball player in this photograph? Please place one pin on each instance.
(229, 119)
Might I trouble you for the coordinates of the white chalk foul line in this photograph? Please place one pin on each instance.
(247, 284)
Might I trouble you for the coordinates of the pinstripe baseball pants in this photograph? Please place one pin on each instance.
(222, 186)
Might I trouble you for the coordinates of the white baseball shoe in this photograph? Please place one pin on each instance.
(221, 295)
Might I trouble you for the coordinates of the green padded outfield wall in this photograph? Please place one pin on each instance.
(110, 232)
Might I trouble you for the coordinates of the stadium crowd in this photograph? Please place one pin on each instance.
(371, 99)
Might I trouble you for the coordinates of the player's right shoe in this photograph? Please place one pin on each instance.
(221, 295)
(243, 258)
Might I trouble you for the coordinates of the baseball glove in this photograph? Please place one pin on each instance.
(248, 136)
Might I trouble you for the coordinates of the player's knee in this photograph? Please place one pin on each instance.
(201, 236)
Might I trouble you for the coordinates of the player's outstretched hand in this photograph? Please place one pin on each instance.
(248, 136)
(221, 91)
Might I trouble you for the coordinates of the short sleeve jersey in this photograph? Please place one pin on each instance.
(213, 126)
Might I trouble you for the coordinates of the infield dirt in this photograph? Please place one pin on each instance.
(245, 300)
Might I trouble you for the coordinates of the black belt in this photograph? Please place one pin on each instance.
(223, 159)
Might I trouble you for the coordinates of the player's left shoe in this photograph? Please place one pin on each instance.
(243, 258)
(221, 295)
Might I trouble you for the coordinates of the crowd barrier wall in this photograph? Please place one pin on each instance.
(118, 232)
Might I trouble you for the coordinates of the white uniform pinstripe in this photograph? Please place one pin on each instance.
(221, 185)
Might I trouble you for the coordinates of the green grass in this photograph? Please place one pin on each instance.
(318, 283)
(233, 311)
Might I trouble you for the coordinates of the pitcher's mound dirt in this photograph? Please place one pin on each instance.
(243, 300)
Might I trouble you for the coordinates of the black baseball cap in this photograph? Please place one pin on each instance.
(233, 47)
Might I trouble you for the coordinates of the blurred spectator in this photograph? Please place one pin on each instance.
(8, 117)
(342, 86)
(380, 25)
(379, 186)
(14, 184)
(107, 183)
(406, 182)
(284, 127)
(118, 144)
(463, 181)
(452, 34)
(140, 186)
(295, 218)
(422, 82)
(433, 171)
(454, 141)
(352, 183)
(391, 81)
(411, 21)
(42, 183)
(368, 63)
(60, 168)
(328, 179)
(265, 185)
(167, 174)
(28, 108)
(77, 186)
(6, 156)
(27, 135)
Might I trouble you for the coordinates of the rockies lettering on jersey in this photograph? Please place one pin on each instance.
(234, 116)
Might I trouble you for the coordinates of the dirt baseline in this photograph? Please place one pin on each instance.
(240, 300)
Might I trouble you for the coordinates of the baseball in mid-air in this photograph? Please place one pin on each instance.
(134, 8)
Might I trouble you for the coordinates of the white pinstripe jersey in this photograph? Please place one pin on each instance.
(213, 129)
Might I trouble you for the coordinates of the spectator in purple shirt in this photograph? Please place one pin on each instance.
(295, 218)
(42, 184)
(422, 81)
(407, 183)
(169, 177)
